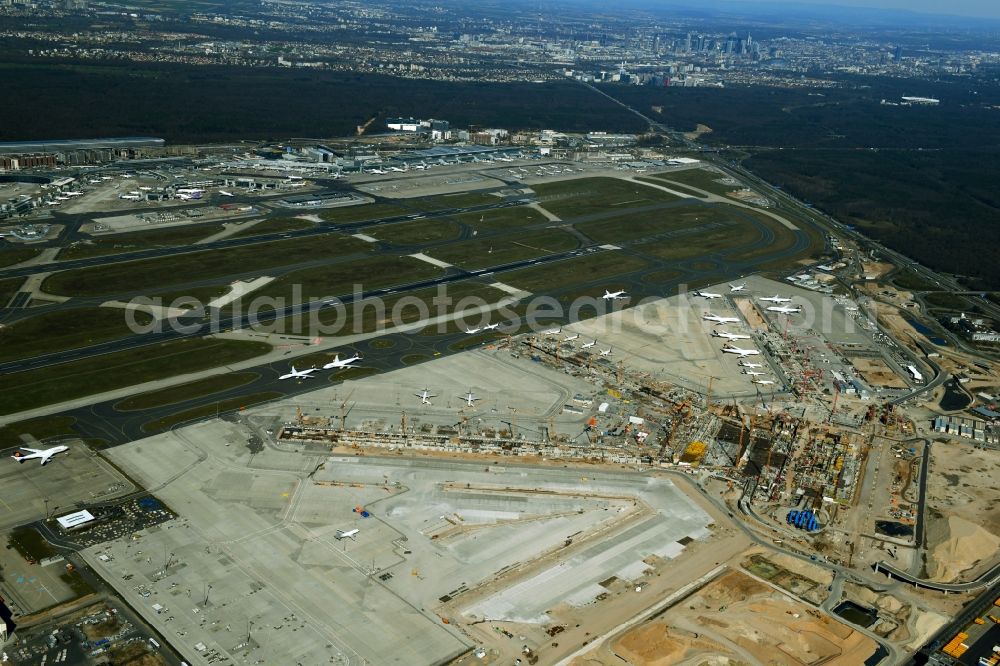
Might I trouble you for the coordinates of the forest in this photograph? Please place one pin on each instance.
(192, 104)
(921, 179)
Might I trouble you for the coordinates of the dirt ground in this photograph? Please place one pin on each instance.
(751, 313)
(876, 269)
(699, 130)
(877, 372)
(736, 619)
(963, 511)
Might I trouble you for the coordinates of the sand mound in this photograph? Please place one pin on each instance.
(959, 545)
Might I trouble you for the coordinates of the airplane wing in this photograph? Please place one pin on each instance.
(25, 448)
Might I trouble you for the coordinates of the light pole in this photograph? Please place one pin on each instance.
(249, 629)
(208, 588)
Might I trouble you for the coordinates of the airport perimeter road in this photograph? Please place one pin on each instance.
(318, 230)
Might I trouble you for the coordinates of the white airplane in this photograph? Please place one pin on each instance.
(748, 364)
(397, 169)
(730, 336)
(338, 363)
(763, 382)
(182, 197)
(491, 327)
(720, 320)
(422, 166)
(730, 349)
(737, 287)
(470, 331)
(226, 194)
(73, 194)
(377, 171)
(588, 345)
(784, 309)
(753, 373)
(44, 454)
(298, 374)
(349, 534)
(614, 295)
(571, 338)
(470, 399)
(775, 299)
(553, 331)
(606, 352)
(707, 294)
(425, 397)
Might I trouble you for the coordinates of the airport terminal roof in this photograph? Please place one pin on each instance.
(71, 520)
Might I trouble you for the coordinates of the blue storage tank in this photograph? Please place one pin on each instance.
(792, 515)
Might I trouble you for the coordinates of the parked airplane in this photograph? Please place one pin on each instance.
(570, 338)
(707, 294)
(425, 397)
(753, 373)
(491, 327)
(606, 352)
(553, 331)
(748, 364)
(44, 454)
(720, 320)
(775, 299)
(226, 194)
(784, 309)
(377, 171)
(338, 363)
(470, 399)
(73, 194)
(298, 374)
(730, 336)
(349, 534)
(614, 295)
(588, 345)
(470, 331)
(730, 349)
(763, 382)
(737, 287)
(397, 169)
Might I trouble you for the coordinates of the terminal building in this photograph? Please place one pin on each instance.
(19, 155)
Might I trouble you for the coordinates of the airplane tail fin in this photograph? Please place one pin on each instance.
(18, 456)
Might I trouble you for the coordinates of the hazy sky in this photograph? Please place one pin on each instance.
(984, 8)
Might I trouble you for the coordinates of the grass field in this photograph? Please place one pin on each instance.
(698, 244)
(162, 272)
(66, 381)
(630, 226)
(40, 428)
(139, 240)
(274, 225)
(418, 232)
(167, 422)
(182, 392)
(699, 178)
(501, 219)
(515, 247)
(15, 254)
(339, 279)
(9, 287)
(64, 329)
(203, 295)
(562, 274)
(405, 308)
(911, 280)
(573, 198)
(372, 211)
(445, 201)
